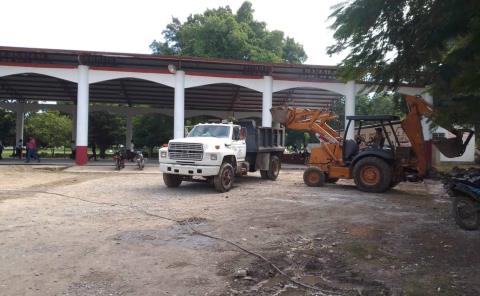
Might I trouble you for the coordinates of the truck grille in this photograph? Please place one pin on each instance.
(185, 151)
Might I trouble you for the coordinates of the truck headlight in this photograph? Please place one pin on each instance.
(163, 154)
(213, 157)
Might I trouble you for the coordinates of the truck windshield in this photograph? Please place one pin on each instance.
(216, 131)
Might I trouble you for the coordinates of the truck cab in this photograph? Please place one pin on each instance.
(216, 153)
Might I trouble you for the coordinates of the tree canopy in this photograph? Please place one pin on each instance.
(220, 33)
(425, 42)
(50, 128)
(106, 129)
(152, 130)
(7, 127)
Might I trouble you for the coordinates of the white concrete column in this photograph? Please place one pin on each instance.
(350, 107)
(20, 120)
(74, 124)
(427, 135)
(82, 116)
(129, 131)
(267, 101)
(433, 153)
(179, 105)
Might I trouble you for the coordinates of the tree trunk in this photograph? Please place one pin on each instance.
(102, 152)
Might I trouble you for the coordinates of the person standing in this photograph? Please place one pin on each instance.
(94, 151)
(32, 150)
(35, 149)
(19, 149)
(28, 147)
(74, 149)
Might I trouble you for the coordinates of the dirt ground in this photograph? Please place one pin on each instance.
(336, 238)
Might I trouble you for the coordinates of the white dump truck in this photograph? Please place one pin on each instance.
(218, 152)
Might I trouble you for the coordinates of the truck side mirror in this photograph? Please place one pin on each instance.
(243, 133)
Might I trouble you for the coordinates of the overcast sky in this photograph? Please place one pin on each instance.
(130, 26)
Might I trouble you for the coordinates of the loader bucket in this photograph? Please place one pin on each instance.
(453, 147)
(280, 114)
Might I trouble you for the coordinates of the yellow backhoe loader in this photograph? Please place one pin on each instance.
(376, 165)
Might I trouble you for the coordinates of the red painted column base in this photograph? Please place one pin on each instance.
(81, 155)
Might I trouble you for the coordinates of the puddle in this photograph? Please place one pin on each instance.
(175, 235)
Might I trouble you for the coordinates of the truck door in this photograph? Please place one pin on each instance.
(238, 144)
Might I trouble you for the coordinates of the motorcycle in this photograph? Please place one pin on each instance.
(119, 159)
(139, 159)
(136, 157)
(466, 203)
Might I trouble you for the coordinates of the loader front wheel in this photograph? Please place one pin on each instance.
(372, 174)
(314, 177)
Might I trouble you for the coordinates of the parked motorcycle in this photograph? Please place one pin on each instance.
(139, 159)
(119, 158)
(466, 203)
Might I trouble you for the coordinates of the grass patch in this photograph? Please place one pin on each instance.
(366, 251)
(435, 284)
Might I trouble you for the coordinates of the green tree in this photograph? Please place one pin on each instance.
(424, 42)
(50, 128)
(375, 104)
(106, 129)
(7, 127)
(152, 130)
(380, 104)
(222, 34)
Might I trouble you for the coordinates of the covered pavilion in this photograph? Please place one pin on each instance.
(177, 86)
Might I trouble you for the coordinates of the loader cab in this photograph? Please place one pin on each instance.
(373, 136)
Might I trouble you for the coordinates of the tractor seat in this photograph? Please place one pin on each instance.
(350, 149)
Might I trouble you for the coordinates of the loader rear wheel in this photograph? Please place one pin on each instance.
(372, 174)
(172, 180)
(314, 177)
(224, 180)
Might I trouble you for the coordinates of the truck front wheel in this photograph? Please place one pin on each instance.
(172, 180)
(224, 180)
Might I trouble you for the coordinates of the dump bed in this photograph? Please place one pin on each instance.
(263, 139)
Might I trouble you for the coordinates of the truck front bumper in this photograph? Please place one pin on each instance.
(189, 170)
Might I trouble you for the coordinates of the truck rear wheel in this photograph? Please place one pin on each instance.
(172, 180)
(314, 177)
(372, 174)
(224, 180)
(274, 168)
